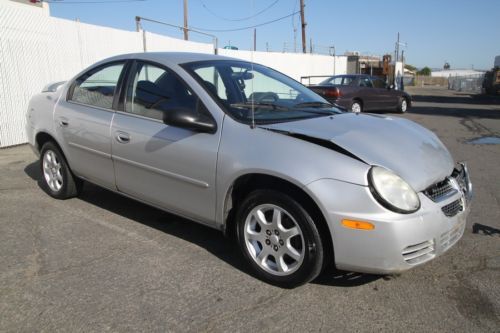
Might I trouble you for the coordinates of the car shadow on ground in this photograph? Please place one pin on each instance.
(448, 112)
(205, 237)
(462, 98)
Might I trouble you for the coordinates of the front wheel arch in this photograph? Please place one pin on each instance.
(248, 183)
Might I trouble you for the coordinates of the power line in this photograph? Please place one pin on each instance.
(249, 27)
(238, 19)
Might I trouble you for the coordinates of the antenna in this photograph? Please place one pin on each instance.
(251, 64)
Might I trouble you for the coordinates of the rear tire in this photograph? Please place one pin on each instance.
(279, 239)
(57, 179)
(356, 107)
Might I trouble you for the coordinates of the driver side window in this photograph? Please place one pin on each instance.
(154, 90)
(213, 81)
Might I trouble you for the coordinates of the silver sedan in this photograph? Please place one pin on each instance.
(247, 150)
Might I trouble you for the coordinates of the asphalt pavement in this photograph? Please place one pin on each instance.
(102, 262)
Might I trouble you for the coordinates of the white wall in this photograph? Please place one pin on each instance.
(294, 65)
(155, 42)
(36, 49)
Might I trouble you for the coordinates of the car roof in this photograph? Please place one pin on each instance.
(169, 58)
(351, 75)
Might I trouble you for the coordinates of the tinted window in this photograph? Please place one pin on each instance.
(378, 83)
(365, 82)
(155, 90)
(338, 80)
(97, 87)
(213, 80)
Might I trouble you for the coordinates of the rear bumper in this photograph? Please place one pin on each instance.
(399, 241)
(342, 102)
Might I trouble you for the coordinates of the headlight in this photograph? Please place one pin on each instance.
(392, 191)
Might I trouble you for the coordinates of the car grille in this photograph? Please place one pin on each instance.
(440, 190)
(453, 208)
(449, 238)
(419, 253)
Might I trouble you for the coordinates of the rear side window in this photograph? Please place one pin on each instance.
(338, 81)
(98, 86)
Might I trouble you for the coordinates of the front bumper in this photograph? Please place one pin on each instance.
(399, 241)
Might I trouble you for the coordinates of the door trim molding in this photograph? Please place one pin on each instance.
(185, 179)
(90, 150)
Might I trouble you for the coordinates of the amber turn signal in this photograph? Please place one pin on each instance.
(358, 225)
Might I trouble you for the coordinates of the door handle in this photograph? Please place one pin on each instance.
(122, 137)
(63, 122)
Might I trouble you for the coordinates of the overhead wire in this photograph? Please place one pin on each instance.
(238, 19)
(248, 27)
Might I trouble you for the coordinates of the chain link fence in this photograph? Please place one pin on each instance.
(469, 83)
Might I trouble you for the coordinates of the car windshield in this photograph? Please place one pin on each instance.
(249, 91)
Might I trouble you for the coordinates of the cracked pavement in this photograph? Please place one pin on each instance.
(102, 262)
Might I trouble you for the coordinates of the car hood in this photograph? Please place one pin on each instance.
(408, 149)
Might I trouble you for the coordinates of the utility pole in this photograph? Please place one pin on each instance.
(137, 23)
(303, 21)
(186, 36)
(397, 49)
(255, 39)
(294, 39)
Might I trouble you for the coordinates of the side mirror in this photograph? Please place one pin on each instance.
(189, 119)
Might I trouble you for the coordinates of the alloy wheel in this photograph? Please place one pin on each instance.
(274, 239)
(52, 171)
(404, 105)
(356, 107)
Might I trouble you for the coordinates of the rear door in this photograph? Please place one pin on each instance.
(164, 165)
(83, 121)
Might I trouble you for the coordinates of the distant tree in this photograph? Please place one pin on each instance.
(410, 67)
(446, 65)
(425, 71)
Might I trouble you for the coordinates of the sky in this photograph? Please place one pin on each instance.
(466, 34)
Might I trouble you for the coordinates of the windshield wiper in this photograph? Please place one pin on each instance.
(260, 105)
(313, 105)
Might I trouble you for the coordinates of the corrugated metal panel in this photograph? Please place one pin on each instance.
(36, 49)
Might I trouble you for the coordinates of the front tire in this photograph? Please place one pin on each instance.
(402, 105)
(279, 239)
(57, 179)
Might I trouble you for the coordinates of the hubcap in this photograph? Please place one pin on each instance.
(52, 171)
(356, 108)
(403, 105)
(274, 239)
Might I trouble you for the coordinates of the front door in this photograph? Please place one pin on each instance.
(384, 97)
(167, 166)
